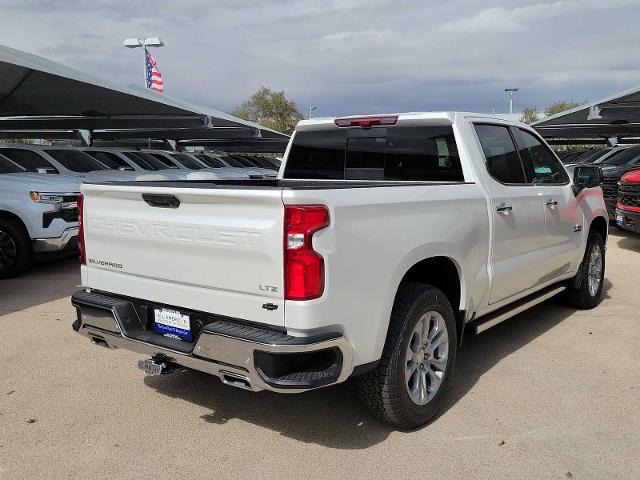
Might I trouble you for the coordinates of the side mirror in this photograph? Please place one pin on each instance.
(586, 176)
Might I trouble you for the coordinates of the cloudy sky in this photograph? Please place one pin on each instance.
(348, 56)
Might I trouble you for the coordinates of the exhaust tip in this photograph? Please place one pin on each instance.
(235, 380)
(99, 341)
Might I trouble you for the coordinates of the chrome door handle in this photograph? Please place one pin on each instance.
(551, 204)
(504, 209)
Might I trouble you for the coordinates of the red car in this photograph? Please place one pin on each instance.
(628, 208)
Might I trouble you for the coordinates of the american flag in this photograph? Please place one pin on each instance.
(154, 77)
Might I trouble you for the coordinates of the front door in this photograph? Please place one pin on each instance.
(563, 216)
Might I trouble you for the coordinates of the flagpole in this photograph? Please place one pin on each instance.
(144, 53)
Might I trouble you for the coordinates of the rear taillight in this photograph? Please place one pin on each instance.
(366, 122)
(83, 252)
(303, 267)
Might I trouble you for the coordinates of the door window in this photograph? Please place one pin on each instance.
(27, 159)
(503, 162)
(540, 163)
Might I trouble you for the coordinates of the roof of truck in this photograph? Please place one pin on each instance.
(445, 117)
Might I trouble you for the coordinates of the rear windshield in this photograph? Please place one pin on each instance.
(186, 161)
(425, 153)
(7, 166)
(27, 159)
(75, 161)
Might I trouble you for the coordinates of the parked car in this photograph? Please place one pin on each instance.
(612, 171)
(142, 162)
(213, 161)
(628, 208)
(236, 162)
(64, 160)
(38, 216)
(400, 233)
(185, 161)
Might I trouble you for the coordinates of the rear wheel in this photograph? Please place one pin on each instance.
(586, 292)
(409, 384)
(15, 249)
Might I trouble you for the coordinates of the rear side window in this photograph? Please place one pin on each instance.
(503, 162)
(393, 153)
(317, 155)
(27, 159)
(187, 161)
(75, 161)
(210, 161)
(109, 159)
(162, 159)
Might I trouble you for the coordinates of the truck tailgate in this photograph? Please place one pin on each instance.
(220, 251)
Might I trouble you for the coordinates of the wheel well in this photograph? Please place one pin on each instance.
(4, 215)
(442, 273)
(601, 226)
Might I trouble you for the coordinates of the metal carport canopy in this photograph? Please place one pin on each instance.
(617, 116)
(38, 94)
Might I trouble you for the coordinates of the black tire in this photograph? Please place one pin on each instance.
(384, 391)
(578, 294)
(15, 248)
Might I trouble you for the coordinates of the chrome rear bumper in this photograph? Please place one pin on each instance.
(234, 352)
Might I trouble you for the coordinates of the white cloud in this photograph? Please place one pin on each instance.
(500, 19)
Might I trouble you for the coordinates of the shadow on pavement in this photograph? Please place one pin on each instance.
(332, 417)
(44, 282)
(626, 240)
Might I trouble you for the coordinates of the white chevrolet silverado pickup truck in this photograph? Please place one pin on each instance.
(382, 241)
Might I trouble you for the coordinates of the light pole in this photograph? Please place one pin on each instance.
(144, 43)
(511, 91)
(311, 109)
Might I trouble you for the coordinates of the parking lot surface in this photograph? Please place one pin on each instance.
(551, 393)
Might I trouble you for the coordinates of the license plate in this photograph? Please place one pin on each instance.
(620, 220)
(172, 323)
(149, 367)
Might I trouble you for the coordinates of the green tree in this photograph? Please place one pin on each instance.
(530, 115)
(271, 109)
(561, 106)
(27, 141)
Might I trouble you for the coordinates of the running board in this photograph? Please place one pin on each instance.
(509, 311)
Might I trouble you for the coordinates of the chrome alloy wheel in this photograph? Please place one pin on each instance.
(8, 251)
(594, 270)
(426, 358)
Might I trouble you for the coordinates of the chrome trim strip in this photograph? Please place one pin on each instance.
(41, 245)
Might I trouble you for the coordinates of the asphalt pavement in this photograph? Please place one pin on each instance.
(551, 393)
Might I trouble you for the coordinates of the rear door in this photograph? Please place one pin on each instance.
(218, 250)
(517, 248)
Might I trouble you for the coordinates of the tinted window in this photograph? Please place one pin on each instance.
(403, 153)
(75, 161)
(210, 161)
(503, 162)
(27, 159)
(245, 161)
(595, 156)
(541, 164)
(162, 159)
(186, 161)
(232, 161)
(111, 160)
(317, 155)
(7, 166)
(627, 156)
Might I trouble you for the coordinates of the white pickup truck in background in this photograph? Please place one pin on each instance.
(383, 239)
(38, 216)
